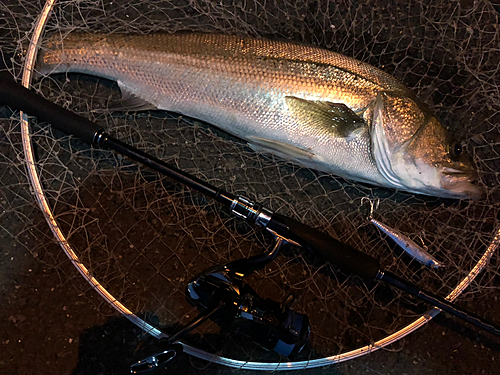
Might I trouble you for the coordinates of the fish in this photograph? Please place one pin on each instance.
(408, 245)
(311, 106)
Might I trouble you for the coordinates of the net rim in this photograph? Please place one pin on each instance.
(27, 74)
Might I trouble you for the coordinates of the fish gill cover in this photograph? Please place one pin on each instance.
(144, 236)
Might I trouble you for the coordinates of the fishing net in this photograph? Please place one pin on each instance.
(143, 237)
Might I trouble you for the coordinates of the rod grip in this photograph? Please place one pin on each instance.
(20, 98)
(341, 255)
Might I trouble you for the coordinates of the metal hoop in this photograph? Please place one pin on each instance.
(122, 309)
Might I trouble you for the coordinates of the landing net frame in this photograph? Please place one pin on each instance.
(27, 74)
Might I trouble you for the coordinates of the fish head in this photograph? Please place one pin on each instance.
(414, 152)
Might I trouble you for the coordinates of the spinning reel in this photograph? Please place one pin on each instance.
(271, 324)
(221, 294)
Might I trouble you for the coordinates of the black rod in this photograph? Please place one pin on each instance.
(105, 141)
(18, 97)
(440, 303)
(345, 257)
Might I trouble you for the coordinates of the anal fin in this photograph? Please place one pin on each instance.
(129, 102)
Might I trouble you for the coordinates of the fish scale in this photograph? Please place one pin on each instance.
(255, 89)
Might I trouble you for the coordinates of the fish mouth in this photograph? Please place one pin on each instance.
(461, 183)
(469, 172)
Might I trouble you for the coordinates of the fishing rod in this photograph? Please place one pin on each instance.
(284, 229)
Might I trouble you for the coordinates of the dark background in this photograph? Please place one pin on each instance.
(52, 322)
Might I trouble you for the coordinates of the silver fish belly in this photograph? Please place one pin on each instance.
(408, 245)
(306, 104)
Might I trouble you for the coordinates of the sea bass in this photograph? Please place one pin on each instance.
(315, 107)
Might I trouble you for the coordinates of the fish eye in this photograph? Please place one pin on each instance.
(457, 149)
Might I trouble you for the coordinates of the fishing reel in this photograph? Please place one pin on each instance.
(221, 294)
(271, 324)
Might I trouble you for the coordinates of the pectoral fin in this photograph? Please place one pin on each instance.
(336, 117)
(283, 150)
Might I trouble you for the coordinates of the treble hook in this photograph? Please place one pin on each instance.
(372, 205)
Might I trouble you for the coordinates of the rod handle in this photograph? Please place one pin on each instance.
(339, 254)
(20, 98)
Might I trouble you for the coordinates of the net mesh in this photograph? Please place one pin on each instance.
(144, 237)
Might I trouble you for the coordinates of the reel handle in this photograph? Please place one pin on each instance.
(157, 361)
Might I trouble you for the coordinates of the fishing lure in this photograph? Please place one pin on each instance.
(408, 245)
